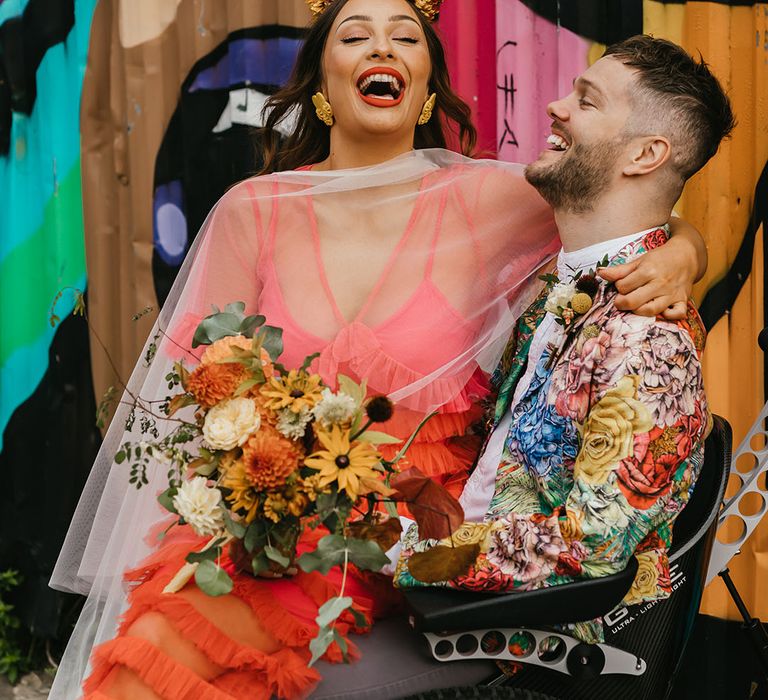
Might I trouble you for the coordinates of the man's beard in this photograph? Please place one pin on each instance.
(576, 181)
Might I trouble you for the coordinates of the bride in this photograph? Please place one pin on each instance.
(398, 262)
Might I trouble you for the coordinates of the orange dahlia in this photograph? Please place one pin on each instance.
(269, 458)
(221, 350)
(211, 384)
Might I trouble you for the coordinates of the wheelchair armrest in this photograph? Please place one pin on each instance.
(450, 610)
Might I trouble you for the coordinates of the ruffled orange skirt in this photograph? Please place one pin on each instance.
(254, 642)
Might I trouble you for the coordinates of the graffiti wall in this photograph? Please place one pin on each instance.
(47, 432)
(122, 122)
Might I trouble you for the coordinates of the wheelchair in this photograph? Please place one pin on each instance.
(468, 633)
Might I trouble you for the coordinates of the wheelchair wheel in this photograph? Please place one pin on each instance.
(480, 692)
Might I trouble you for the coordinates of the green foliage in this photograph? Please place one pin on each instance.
(335, 550)
(231, 321)
(212, 579)
(13, 662)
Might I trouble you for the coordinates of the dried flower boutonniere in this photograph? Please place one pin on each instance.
(570, 301)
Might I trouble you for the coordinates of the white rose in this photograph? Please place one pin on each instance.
(560, 295)
(200, 506)
(334, 408)
(229, 424)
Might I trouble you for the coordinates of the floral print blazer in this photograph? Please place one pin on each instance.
(603, 452)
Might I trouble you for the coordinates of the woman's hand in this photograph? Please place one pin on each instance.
(661, 281)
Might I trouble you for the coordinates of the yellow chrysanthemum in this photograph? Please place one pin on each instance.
(313, 487)
(350, 464)
(297, 391)
(275, 507)
(244, 498)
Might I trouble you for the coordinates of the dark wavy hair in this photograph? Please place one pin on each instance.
(310, 141)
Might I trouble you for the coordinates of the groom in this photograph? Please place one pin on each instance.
(599, 428)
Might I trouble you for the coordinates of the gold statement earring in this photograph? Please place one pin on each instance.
(323, 108)
(427, 109)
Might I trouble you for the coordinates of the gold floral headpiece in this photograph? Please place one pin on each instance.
(429, 8)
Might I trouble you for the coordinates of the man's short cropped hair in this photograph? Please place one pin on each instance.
(679, 97)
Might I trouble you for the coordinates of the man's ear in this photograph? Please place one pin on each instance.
(649, 154)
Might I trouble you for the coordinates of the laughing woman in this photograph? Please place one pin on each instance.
(398, 262)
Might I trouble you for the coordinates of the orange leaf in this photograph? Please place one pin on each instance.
(386, 534)
(436, 511)
(369, 485)
(442, 563)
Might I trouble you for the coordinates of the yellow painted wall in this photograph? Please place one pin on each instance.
(719, 200)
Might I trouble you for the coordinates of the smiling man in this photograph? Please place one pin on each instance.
(599, 428)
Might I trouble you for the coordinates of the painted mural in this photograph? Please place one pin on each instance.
(47, 431)
(123, 121)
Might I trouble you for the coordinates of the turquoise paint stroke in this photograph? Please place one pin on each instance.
(45, 147)
(46, 144)
(11, 8)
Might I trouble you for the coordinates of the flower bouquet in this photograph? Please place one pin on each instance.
(261, 452)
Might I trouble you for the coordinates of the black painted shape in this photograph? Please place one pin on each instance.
(207, 164)
(605, 21)
(6, 117)
(722, 296)
(49, 446)
(24, 40)
(735, 3)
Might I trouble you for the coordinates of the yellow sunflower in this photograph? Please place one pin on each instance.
(297, 391)
(348, 463)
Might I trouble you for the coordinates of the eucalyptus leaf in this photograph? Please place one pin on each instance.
(275, 555)
(165, 499)
(361, 620)
(319, 645)
(250, 324)
(255, 536)
(366, 554)
(330, 551)
(330, 610)
(272, 341)
(343, 645)
(334, 550)
(259, 564)
(213, 580)
(235, 528)
(326, 503)
(236, 307)
(215, 327)
(210, 554)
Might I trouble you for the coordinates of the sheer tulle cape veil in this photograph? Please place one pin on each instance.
(475, 226)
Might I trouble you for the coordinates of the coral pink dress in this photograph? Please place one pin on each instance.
(389, 354)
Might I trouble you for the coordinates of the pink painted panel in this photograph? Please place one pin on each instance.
(468, 28)
(536, 61)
